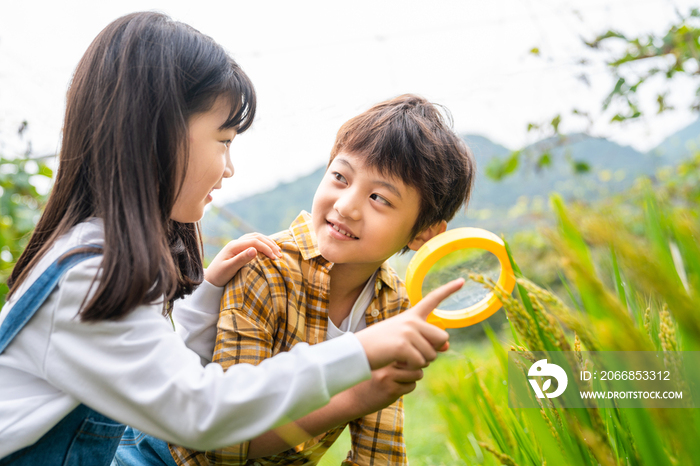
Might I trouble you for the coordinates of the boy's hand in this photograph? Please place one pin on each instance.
(387, 385)
(407, 338)
(238, 253)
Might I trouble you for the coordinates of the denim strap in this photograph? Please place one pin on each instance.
(32, 299)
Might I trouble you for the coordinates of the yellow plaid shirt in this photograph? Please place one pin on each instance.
(270, 306)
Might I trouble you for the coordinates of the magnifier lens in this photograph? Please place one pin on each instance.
(461, 263)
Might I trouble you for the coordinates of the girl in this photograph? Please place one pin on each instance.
(151, 112)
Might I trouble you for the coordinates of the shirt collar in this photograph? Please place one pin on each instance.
(387, 276)
(304, 236)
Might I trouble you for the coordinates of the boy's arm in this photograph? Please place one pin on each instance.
(377, 438)
(242, 337)
(402, 338)
(363, 401)
(384, 388)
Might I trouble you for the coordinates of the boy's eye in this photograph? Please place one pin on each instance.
(339, 177)
(378, 198)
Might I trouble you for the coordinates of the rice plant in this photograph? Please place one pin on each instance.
(631, 275)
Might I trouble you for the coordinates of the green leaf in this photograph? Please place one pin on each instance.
(580, 167)
(619, 284)
(617, 90)
(512, 162)
(555, 123)
(498, 349)
(618, 117)
(498, 168)
(44, 170)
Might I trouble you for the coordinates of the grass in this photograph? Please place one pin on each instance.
(631, 271)
(425, 431)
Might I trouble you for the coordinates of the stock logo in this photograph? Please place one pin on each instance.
(541, 368)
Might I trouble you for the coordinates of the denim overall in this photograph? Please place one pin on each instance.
(140, 449)
(82, 438)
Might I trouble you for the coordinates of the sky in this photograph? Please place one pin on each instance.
(315, 64)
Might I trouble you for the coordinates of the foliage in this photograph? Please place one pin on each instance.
(20, 206)
(634, 64)
(680, 45)
(633, 272)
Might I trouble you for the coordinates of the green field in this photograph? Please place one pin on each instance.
(629, 270)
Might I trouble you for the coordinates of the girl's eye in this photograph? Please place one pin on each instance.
(227, 142)
(339, 177)
(378, 198)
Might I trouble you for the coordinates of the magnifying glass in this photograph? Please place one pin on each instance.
(453, 253)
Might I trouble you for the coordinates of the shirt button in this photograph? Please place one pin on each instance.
(374, 313)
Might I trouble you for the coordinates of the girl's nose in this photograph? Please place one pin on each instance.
(228, 170)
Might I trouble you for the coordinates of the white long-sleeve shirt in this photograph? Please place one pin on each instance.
(139, 372)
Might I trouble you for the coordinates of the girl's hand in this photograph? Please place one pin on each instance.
(407, 338)
(238, 253)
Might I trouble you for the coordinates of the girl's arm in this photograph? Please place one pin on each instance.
(195, 316)
(137, 371)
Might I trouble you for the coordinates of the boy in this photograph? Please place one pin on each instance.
(397, 174)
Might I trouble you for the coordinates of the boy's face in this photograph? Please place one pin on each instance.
(360, 216)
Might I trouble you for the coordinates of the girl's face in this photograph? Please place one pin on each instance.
(209, 162)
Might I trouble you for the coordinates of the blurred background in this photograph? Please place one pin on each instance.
(583, 118)
(497, 66)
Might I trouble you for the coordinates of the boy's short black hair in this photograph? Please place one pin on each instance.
(409, 138)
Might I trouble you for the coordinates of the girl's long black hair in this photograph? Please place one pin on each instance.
(124, 155)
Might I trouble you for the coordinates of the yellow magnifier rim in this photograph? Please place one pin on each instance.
(444, 244)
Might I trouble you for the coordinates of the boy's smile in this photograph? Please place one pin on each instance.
(360, 215)
(340, 231)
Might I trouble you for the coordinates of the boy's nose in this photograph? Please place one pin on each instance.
(347, 206)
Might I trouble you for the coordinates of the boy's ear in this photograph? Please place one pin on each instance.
(425, 235)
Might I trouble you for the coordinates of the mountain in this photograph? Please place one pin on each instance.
(514, 203)
(274, 210)
(484, 148)
(679, 145)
